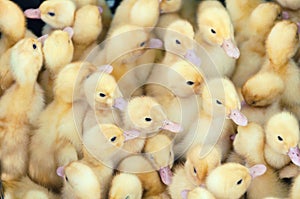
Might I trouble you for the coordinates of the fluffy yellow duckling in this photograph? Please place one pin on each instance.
(58, 52)
(290, 4)
(267, 184)
(170, 6)
(217, 37)
(188, 11)
(282, 138)
(90, 18)
(60, 139)
(198, 192)
(220, 108)
(80, 181)
(133, 188)
(20, 106)
(231, 180)
(253, 50)
(57, 14)
(201, 160)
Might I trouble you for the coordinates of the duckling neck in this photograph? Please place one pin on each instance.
(275, 159)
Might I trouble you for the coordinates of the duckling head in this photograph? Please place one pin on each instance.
(282, 135)
(198, 192)
(133, 188)
(56, 13)
(219, 96)
(215, 27)
(185, 80)
(159, 151)
(282, 43)
(168, 6)
(291, 4)
(58, 49)
(26, 60)
(145, 115)
(231, 180)
(262, 89)
(200, 162)
(80, 180)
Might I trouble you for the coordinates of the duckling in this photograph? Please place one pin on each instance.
(167, 6)
(57, 14)
(220, 109)
(159, 150)
(282, 137)
(24, 188)
(60, 139)
(188, 11)
(232, 179)
(134, 189)
(58, 52)
(88, 16)
(20, 106)
(267, 184)
(147, 174)
(201, 160)
(146, 116)
(290, 4)
(295, 188)
(9, 35)
(79, 181)
(240, 12)
(253, 50)
(217, 36)
(198, 192)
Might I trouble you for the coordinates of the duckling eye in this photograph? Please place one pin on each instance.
(52, 14)
(218, 102)
(113, 139)
(239, 182)
(280, 138)
(178, 42)
(195, 171)
(102, 95)
(34, 46)
(66, 178)
(142, 44)
(190, 83)
(148, 119)
(213, 31)
(127, 197)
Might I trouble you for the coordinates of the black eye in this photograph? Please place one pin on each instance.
(218, 102)
(279, 138)
(177, 41)
(34, 46)
(142, 44)
(113, 139)
(127, 197)
(52, 14)
(239, 182)
(195, 171)
(190, 83)
(170, 153)
(102, 95)
(213, 31)
(148, 119)
(66, 178)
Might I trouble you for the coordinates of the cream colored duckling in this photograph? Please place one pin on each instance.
(57, 14)
(201, 160)
(220, 109)
(170, 6)
(198, 192)
(60, 138)
(253, 51)
(216, 35)
(282, 138)
(20, 106)
(250, 144)
(291, 4)
(231, 180)
(58, 52)
(133, 188)
(87, 28)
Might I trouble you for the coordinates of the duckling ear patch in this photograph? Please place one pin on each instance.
(105, 68)
(32, 13)
(257, 170)
(184, 194)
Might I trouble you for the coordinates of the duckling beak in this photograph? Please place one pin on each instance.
(171, 126)
(294, 154)
(43, 38)
(184, 194)
(120, 103)
(166, 175)
(33, 13)
(285, 15)
(257, 170)
(192, 57)
(60, 171)
(230, 48)
(155, 43)
(238, 118)
(131, 134)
